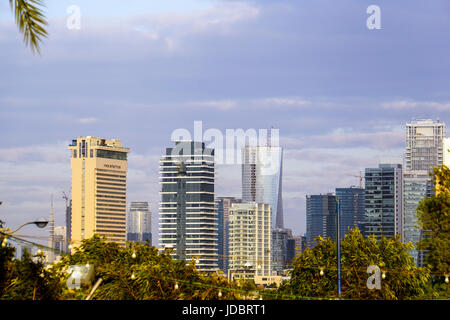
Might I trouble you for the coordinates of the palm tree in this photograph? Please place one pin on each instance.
(30, 20)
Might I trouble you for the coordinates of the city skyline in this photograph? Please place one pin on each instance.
(341, 103)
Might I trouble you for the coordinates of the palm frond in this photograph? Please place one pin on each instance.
(31, 21)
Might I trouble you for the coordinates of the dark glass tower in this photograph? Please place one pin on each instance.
(383, 200)
(320, 217)
(188, 218)
(352, 208)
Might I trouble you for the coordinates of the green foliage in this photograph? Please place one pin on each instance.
(25, 279)
(155, 274)
(6, 256)
(30, 20)
(403, 279)
(29, 280)
(434, 219)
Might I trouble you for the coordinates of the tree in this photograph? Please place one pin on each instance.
(30, 20)
(403, 280)
(25, 279)
(140, 272)
(6, 256)
(30, 280)
(434, 220)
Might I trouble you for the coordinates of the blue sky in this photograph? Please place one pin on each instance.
(339, 93)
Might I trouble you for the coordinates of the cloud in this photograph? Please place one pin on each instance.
(375, 140)
(408, 104)
(223, 105)
(45, 153)
(88, 120)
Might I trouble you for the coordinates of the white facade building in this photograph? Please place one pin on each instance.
(250, 240)
(188, 218)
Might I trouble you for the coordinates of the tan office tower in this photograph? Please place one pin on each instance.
(99, 189)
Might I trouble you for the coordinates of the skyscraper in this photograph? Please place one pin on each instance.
(446, 151)
(425, 149)
(250, 240)
(383, 200)
(417, 185)
(139, 223)
(320, 217)
(424, 144)
(188, 218)
(262, 168)
(60, 239)
(280, 237)
(99, 189)
(352, 209)
(68, 220)
(51, 238)
(223, 208)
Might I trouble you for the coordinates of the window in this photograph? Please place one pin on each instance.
(92, 153)
(74, 153)
(111, 154)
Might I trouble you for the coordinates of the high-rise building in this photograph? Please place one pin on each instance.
(295, 246)
(188, 218)
(280, 237)
(262, 168)
(383, 200)
(424, 144)
(99, 189)
(425, 149)
(291, 251)
(446, 152)
(250, 240)
(352, 208)
(60, 244)
(320, 217)
(139, 223)
(51, 238)
(68, 221)
(417, 186)
(223, 205)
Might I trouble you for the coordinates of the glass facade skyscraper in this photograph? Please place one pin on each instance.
(320, 217)
(417, 186)
(425, 149)
(280, 237)
(188, 218)
(352, 207)
(139, 223)
(262, 178)
(424, 144)
(383, 200)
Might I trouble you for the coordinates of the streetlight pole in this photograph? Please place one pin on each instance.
(338, 245)
(6, 232)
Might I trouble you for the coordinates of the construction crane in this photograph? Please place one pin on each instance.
(360, 178)
(65, 197)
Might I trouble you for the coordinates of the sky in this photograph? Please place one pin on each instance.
(339, 93)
